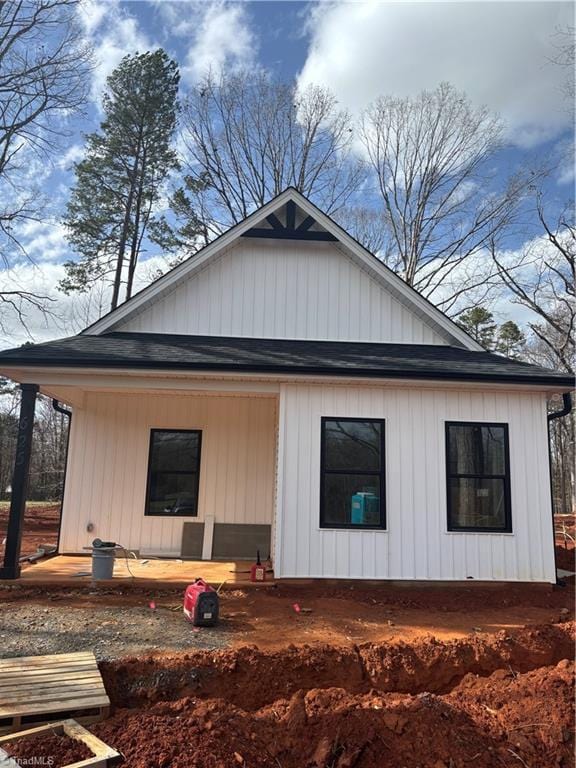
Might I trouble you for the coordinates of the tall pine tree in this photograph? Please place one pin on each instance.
(119, 180)
(510, 340)
(479, 323)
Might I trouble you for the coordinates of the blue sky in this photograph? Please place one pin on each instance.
(498, 52)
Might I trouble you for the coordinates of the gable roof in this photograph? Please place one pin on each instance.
(158, 351)
(323, 223)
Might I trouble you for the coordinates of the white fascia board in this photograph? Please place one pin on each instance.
(264, 384)
(379, 271)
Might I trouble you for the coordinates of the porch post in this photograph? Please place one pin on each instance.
(11, 569)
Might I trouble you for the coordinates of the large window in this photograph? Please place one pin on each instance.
(478, 477)
(173, 472)
(352, 474)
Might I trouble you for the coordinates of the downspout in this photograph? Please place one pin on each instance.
(65, 412)
(564, 411)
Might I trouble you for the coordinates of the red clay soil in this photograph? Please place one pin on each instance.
(251, 678)
(565, 527)
(566, 558)
(51, 749)
(348, 614)
(503, 701)
(41, 523)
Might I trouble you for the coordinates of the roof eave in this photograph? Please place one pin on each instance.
(556, 382)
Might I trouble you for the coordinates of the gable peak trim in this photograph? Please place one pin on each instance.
(407, 295)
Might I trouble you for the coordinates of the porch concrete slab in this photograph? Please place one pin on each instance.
(74, 570)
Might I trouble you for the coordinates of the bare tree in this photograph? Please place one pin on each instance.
(370, 227)
(564, 41)
(542, 280)
(249, 137)
(430, 155)
(43, 68)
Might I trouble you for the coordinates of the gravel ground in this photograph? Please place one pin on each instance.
(110, 632)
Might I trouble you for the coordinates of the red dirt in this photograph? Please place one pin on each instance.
(382, 706)
(347, 614)
(53, 749)
(41, 523)
(565, 528)
(251, 678)
(566, 558)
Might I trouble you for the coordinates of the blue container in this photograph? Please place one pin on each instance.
(365, 509)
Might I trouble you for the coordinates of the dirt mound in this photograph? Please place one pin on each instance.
(53, 749)
(41, 522)
(504, 720)
(251, 678)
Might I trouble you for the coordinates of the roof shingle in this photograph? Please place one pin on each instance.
(247, 355)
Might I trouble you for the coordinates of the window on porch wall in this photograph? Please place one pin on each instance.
(173, 472)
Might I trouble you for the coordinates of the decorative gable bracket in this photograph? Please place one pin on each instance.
(290, 230)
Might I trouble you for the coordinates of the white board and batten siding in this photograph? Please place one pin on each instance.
(416, 544)
(283, 289)
(107, 473)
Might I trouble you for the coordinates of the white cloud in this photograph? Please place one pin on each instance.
(63, 315)
(91, 14)
(71, 156)
(44, 241)
(114, 33)
(498, 52)
(222, 38)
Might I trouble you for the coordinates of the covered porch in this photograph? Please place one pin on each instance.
(75, 571)
(179, 469)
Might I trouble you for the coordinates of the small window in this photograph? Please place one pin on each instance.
(478, 477)
(352, 474)
(173, 472)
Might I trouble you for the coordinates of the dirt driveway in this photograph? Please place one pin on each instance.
(122, 621)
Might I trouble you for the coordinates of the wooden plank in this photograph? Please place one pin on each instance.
(28, 662)
(23, 666)
(69, 705)
(30, 732)
(101, 752)
(32, 684)
(27, 668)
(64, 690)
(100, 749)
(54, 694)
(38, 685)
(85, 669)
(53, 657)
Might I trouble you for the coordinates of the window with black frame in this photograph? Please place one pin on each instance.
(173, 472)
(352, 474)
(478, 477)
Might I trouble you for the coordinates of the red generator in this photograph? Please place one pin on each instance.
(201, 604)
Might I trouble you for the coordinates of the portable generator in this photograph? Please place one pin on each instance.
(201, 604)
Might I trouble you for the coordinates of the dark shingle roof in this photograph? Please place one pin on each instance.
(246, 355)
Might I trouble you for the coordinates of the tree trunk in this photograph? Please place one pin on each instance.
(134, 248)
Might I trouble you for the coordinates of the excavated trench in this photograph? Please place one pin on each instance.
(490, 701)
(250, 678)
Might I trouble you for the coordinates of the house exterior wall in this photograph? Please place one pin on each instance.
(283, 289)
(108, 465)
(416, 544)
